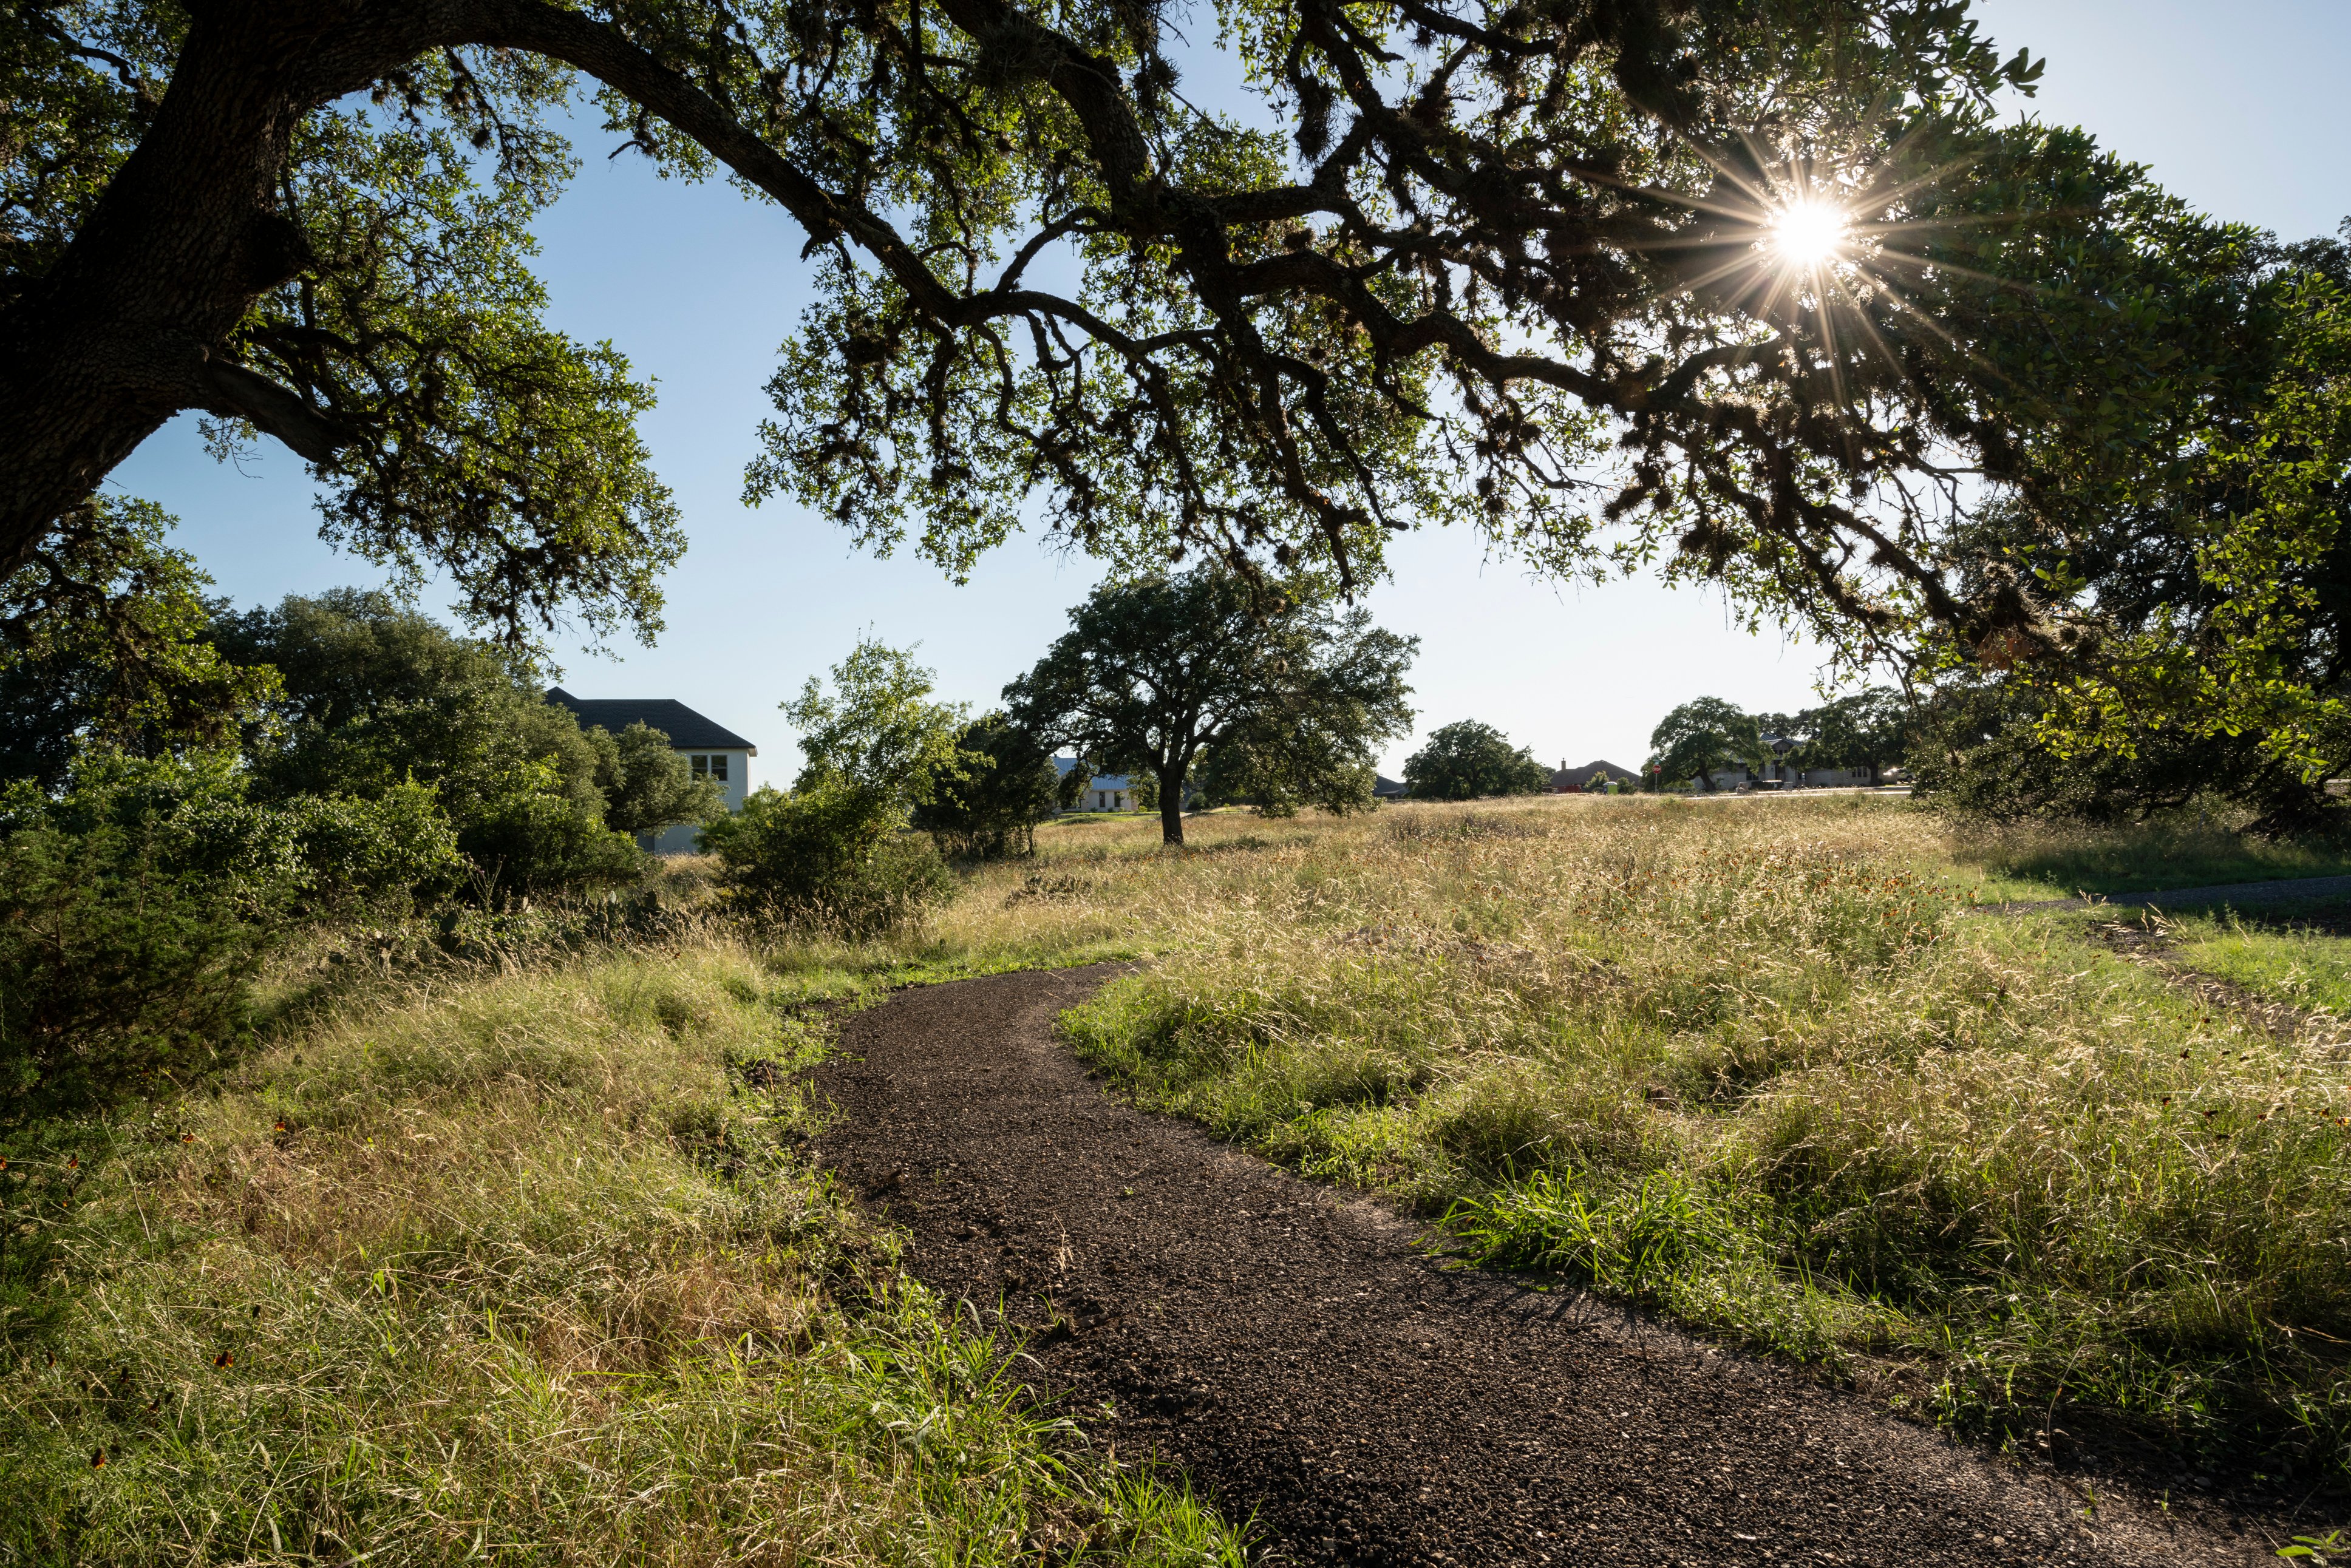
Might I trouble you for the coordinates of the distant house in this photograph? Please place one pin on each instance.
(711, 749)
(1779, 773)
(1575, 780)
(1104, 791)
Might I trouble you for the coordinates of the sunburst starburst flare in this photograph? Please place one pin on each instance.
(1810, 232)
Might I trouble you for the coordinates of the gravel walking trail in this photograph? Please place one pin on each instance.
(1306, 1362)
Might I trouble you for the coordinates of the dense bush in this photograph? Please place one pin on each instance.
(1977, 750)
(534, 839)
(1007, 785)
(115, 968)
(837, 849)
(375, 696)
(136, 903)
(820, 855)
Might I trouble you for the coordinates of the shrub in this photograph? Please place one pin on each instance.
(375, 697)
(398, 850)
(123, 956)
(532, 840)
(136, 904)
(1979, 752)
(820, 855)
(835, 852)
(1008, 786)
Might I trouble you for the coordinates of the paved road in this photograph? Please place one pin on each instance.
(2291, 890)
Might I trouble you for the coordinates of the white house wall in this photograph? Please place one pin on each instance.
(679, 840)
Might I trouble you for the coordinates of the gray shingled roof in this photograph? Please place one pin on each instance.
(687, 730)
(1579, 776)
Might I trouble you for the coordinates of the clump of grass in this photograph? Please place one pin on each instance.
(1754, 1064)
(2296, 955)
(521, 1266)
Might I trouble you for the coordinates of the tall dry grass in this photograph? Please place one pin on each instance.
(520, 1267)
(1753, 1063)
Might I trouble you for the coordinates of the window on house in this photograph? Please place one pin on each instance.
(718, 765)
(701, 766)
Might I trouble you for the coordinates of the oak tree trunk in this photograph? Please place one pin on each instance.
(128, 327)
(1171, 805)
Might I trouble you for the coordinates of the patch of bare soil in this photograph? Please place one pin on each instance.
(2148, 943)
(1310, 1364)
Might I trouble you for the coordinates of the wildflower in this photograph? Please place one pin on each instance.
(97, 1458)
(225, 1360)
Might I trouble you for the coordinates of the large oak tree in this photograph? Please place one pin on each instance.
(1152, 672)
(1760, 282)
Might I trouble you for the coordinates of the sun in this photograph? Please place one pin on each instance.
(1809, 233)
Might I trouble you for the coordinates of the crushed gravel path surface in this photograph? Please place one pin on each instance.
(2291, 890)
(1306, 1362)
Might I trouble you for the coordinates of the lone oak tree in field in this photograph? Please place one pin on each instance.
(1152, 672)
(1469, 760)
(1861, 730)
(1764, 258)
(1701, 737)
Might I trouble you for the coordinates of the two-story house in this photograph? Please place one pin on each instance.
(710, 749)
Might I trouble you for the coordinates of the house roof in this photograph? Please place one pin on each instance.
(1579, 776)
(687, 730)
(1061, 765)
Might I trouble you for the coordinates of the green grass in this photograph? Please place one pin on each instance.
(520, 1268)
(1758, 1069)
(2288, 953)
(533, 1272)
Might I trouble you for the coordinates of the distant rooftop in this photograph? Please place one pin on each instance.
(1582, 776)
(1061, 765)
(687, 730)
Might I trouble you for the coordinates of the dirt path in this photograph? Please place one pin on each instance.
(2152, 949)
(2242, 894)
(1304, 1360)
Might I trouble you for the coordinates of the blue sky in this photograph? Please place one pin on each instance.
(2238, 108)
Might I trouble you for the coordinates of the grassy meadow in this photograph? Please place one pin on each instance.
(1756, 1065)
(517, 1259)
(519, 1267)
